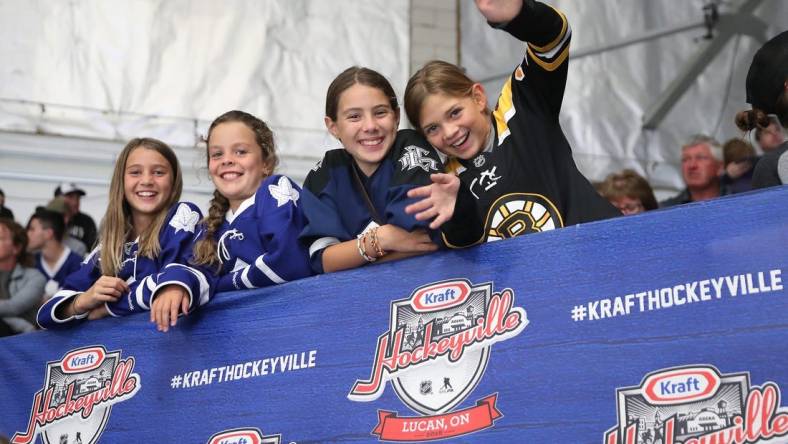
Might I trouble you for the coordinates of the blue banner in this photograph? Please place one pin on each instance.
(664, 327)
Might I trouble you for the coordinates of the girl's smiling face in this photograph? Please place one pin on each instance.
(235, 162)
(366, 124)
(457, 126)
(147, 182)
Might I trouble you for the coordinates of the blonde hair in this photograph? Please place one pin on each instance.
(116, 226)
(436, 77)
(205, 248)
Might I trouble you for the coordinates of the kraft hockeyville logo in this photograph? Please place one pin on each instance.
(78, 394)
(435, 353)
(251, 435)
(698, 405)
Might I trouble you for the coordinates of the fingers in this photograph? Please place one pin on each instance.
(418, 206)
(439, 220)
(443, 178)
(167, 306)
(423, 191)
(427, 214)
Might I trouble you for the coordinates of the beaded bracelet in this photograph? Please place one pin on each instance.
(360, 244)
(376, 244)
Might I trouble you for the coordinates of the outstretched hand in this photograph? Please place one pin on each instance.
(169, 302)
(437, 199)
(499, 11)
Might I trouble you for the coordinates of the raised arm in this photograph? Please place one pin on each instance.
(499, 11)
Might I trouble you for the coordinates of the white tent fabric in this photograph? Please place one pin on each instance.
(106, 71)
(608, 94)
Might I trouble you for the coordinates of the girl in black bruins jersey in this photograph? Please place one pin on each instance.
(515, 160)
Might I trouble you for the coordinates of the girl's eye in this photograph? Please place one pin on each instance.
(455, 112)
(160, 172)
(430, 130)
(215, 155)
(353, 117)
(382, 112)
(133, 172)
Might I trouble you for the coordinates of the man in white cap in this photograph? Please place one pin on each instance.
(79, 225)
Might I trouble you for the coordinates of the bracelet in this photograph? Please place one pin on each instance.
(360, 244)
(375, 244)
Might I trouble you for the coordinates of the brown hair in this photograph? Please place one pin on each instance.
(117, 222)
(19, 240)
(205, 248)
(436, 77)
(628, 183)
(736, 150)
(352, 76)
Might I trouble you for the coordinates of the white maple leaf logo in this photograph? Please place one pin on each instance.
(184, 219)
(283, 192)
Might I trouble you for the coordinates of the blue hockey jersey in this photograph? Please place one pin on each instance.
(144, 275)
(68, 263)
(258, 243)
(336, 208)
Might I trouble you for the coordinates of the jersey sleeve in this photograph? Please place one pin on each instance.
(541, 77)
(278, 206)
(174, 263)
(76, 283)
(413, 160)
(319, 203)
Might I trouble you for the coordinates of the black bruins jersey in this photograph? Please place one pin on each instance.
(527, 181)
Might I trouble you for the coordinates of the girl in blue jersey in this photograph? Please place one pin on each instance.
(252, 227)
(355, 197)
(515, 159)
(143, 261)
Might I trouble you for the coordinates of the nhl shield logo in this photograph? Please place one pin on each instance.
(79, 392)
(435, 354)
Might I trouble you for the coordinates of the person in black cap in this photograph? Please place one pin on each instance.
(79, 225)
(767, 92)
(5, 212)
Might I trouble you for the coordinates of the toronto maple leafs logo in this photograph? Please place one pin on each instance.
(317, 165)
(184, 219)
(283, 192)
(417, 157)
(478, 162)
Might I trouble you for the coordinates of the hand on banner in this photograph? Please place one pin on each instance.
(167, 304)
(98, 313)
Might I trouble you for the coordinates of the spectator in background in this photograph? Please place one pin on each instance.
(5, 212)
(701, 166)
(54, 260)
(738, 158)
(767, 92)
(629, 192)
(770, 137)
(21, 285)
(79, 226)
(58, 206)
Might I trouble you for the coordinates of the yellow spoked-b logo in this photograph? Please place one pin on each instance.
(521, 213)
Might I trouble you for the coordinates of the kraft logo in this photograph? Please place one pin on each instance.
(243, 436)
(83, 360)
(441, 295)
(681, 385)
